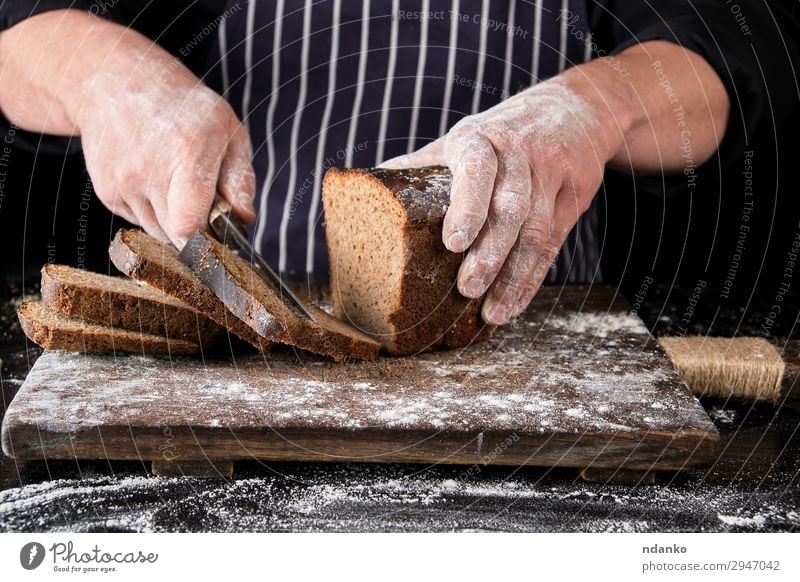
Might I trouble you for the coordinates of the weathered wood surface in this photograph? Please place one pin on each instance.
(576, 382)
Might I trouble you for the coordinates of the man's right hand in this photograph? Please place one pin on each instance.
(158, 143)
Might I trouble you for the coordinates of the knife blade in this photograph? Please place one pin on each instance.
(230, 232)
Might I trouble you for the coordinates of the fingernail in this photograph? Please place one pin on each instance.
(457, 241)
(497, 313)
(473, 287)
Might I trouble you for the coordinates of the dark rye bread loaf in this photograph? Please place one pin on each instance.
(391, 275)
(259, 304)
(146, 259)
(123, 303)
(55, 331)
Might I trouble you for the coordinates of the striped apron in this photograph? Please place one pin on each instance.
(333, 83)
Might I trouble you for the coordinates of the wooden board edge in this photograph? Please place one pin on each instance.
(634, 451)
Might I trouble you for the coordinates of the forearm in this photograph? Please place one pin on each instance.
(662, 106)
(48, 61)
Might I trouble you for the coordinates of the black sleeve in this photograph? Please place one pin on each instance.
(174, 25)
(15, 11)
(753, 45)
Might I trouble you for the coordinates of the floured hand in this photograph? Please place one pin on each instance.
(523, 172)
(159, 143)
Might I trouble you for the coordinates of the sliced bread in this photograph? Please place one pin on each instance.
(142, 257)
(259, 304)
(53, 330)
(391, 275)
(123, 303)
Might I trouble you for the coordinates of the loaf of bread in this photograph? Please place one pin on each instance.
(259, 304)
(146, 259)
(123, 303)
(53, 330)
(391, 275)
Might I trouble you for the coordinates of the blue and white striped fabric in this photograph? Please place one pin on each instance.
(332, 83)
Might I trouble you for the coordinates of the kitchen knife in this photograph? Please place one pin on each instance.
(229, 231)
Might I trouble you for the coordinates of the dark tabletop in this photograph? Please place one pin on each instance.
(753, 486)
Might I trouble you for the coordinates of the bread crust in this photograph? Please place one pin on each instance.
(143, 258)
(259, 304)
(427, 311)
(55, 331)
(123, 303)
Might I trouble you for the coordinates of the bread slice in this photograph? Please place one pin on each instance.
(55, 331)
(258, 303)
(391, 275)
(123, 303)
(144, 258)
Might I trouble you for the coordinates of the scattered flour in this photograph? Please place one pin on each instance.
(598, 324)
(335, 497)
(753, 522)
(722, 415)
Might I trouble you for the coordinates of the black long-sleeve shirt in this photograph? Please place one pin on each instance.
(753, 45)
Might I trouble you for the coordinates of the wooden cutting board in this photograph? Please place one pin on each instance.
(576, 382)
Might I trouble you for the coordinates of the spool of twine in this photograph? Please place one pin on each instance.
(744, 368)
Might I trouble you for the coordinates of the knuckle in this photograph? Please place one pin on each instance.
(503, 295)
(511, 287)
(468, 217)
(463, 126)
(237, 179)
(130, 175)
(547, 256)
(485, 265)
(219, 109)
(185, 141)
(535, 233)
(511, 205)
(541, 270)
(210, 103)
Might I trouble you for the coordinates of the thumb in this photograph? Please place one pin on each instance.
(429, 155)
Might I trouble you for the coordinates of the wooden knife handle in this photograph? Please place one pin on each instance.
(220, 210)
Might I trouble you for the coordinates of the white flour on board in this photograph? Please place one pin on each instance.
(598, 394)
(598, 324)
(512, 383)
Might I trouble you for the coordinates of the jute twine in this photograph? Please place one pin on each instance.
(746, 368)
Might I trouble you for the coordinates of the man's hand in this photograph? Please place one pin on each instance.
(525, 170)
(158, 143)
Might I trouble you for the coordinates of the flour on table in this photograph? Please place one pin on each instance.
(373, 498)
